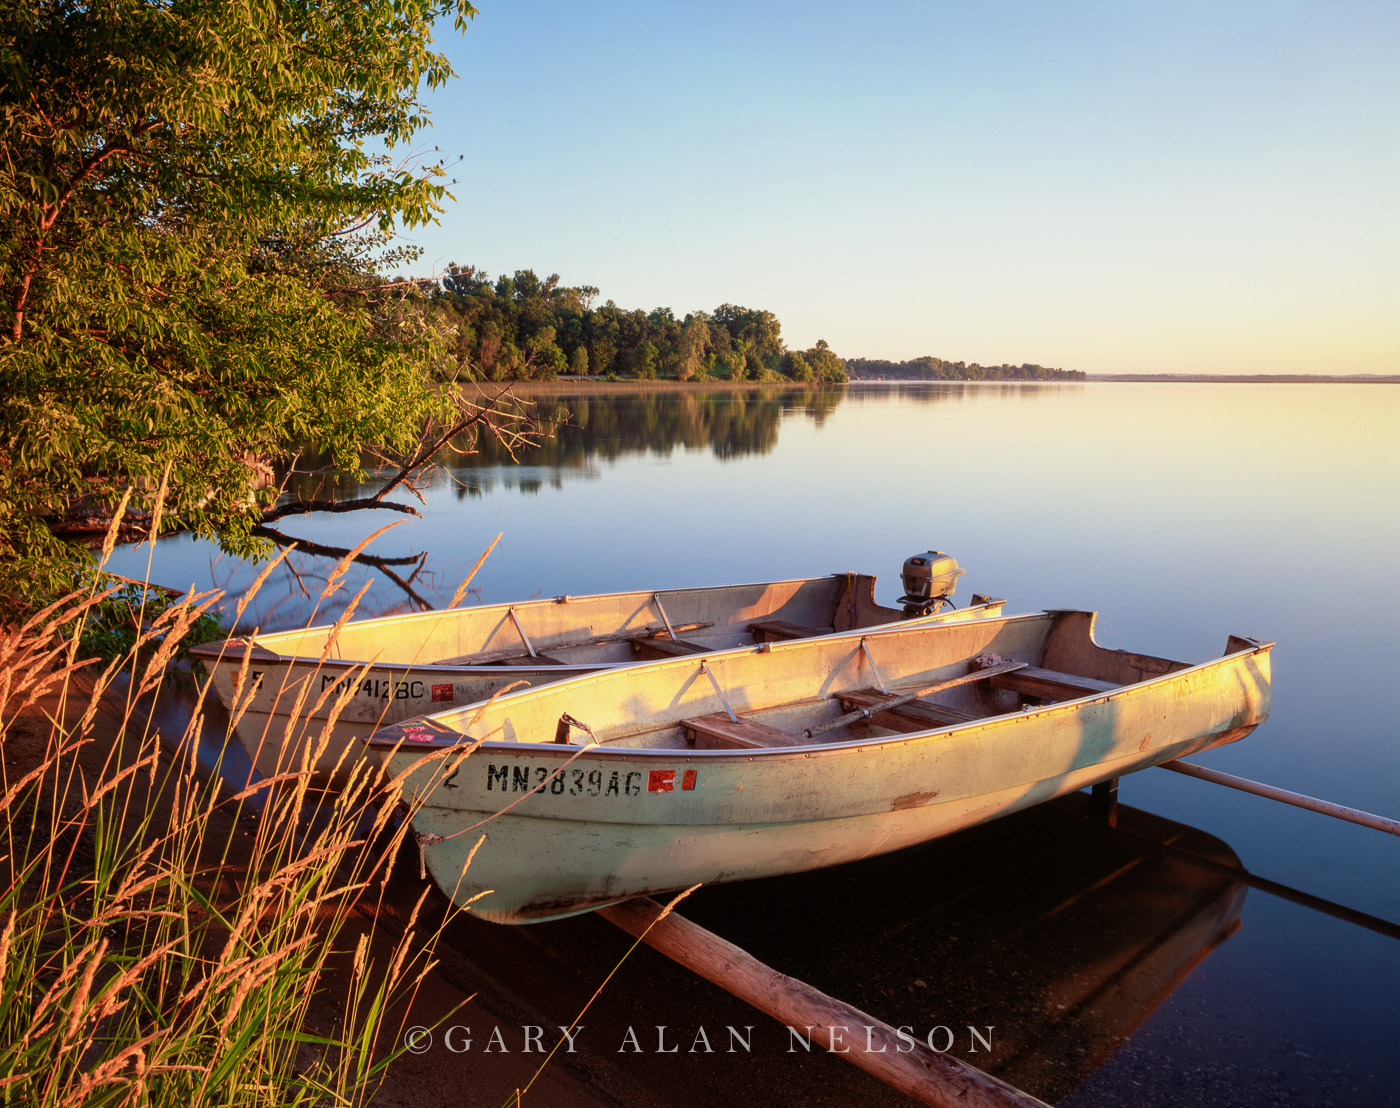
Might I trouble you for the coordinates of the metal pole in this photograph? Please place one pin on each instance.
(1311, 803)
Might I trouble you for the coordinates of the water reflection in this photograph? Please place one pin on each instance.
(729, 423)
(1061, 933)
(578, 428)
(943, 392)
(593, 426)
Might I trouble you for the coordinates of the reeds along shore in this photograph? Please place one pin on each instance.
(163, 942)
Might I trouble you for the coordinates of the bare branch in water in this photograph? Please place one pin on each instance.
(302, 507)
(304, 546)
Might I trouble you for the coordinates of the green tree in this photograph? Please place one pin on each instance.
(759, 329)
(578, 363)
(644, 361)
(543, 356)
(796, 367)
(182, 291)
(826, 366)
(691, 349)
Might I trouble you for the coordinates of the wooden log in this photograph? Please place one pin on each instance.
(917, 715)
(1103, 801)
(1048, 684)
(873, 1045)
(718, 731)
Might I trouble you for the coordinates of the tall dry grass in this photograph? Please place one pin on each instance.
(163, 942)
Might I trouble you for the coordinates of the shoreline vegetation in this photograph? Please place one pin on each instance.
(567, 385)
(929, 368)
(524, 328)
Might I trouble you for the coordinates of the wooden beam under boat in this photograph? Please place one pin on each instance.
(908, 1065)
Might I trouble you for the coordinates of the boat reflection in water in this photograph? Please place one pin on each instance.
(1058, 932)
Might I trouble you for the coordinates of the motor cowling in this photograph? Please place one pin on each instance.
(929, 579)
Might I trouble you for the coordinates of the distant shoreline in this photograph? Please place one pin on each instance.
(626, 384)
(572, 384)
(1254, 378)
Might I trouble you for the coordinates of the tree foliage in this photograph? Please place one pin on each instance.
(524, 327)
(191, 219)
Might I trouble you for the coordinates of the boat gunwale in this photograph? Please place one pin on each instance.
(622, 753)
(211, 652)
(215, 650)
(576, 669)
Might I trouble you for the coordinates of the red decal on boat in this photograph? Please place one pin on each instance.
(661, 781)
(442, 692)
(417, 732)
(688, 780)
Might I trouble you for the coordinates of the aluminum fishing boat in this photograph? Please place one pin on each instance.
(792, 756)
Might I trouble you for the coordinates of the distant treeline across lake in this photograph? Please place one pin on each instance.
(929, 368)
(527, 328)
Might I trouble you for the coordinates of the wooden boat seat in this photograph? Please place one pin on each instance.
(918, 715)
(778, 630)
(527, 660)
(1048, 684)
(718, 731)
(661, 647)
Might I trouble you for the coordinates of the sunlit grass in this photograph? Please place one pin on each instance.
(163, 942)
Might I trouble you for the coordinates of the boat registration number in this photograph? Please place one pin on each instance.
(378, 688)
(570, 781)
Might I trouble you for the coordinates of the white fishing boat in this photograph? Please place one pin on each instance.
(317, 689)
(792, 756)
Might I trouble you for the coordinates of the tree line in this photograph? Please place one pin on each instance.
(524, 327)
(929, 368)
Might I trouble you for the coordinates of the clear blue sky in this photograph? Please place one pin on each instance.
(1129, 187)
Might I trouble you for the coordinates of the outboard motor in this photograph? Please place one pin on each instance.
(929, 580)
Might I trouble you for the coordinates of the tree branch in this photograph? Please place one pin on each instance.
(49, 216)
(476, 413)
(305, 546)
(302, 507)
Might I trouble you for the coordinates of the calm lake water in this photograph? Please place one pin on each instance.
(1181, 512)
